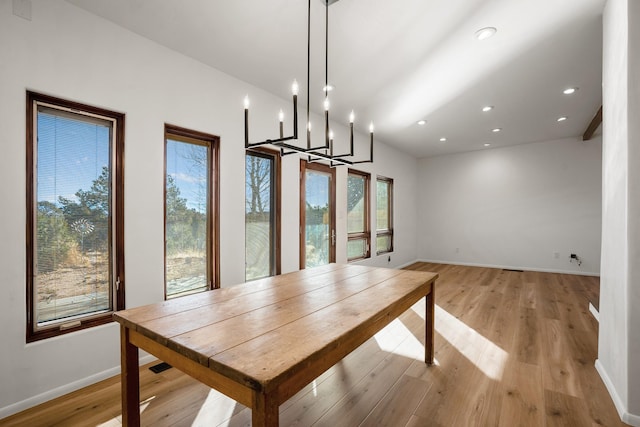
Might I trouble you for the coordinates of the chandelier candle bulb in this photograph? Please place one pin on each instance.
(281, 119)
(331, 143)
(246, 121)
(294, 89)
(351, 135)
(326, 122)
(371, 143)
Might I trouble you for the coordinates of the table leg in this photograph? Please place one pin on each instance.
(264, 412)
(129, 380)
(430, 326)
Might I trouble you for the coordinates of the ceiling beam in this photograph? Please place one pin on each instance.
(595, 122)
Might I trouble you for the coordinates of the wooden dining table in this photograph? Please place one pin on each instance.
(263, 341)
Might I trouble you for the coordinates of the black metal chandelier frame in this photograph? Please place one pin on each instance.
(322, 152)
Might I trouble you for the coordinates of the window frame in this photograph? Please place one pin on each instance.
(389, 231)
(276, 214)
(366, 234)
(318, 167)
(116, 225)
(212, 142)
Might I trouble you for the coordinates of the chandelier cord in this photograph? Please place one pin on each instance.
(326, 69)
(326, 49)
(308, 71)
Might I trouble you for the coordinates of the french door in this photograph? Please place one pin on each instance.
(317, 214)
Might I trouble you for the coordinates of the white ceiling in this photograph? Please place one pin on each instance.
(398, 61)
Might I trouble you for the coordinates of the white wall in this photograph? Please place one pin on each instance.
(633, 302)
(513, 207)
(619, 333)
(66, 52)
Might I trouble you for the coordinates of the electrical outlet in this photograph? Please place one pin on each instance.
(556, 255)
(575, 257)
(457, 250)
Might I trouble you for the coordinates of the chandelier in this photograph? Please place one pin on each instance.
(324, 151)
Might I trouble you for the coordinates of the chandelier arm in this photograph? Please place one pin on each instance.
(270, 141)
(248, 144)
(370, 152)
(312, 154)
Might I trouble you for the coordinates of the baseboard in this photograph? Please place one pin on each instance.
(632, 420)
(594, 312)
(406, 264)
(511, 267)
(14, 408)
(625, 416)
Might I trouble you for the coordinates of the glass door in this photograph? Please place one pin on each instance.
(317, 214)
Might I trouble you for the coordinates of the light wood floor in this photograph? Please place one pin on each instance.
(512, 349)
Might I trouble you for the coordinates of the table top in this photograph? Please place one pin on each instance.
(261, 332)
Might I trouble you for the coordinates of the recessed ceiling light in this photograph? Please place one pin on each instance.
(561, 119)
(495, 130)
(328, 88)
(485, 33)
(422, 122)
(570, 90)
(486, 144)
(443, 139)
(487, 108)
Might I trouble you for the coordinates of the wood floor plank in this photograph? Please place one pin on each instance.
(528, 336)
(564, 410)
(352, 409)
(583, 349)
(558, 370)
(523, 399)
(512, 349)
(548, 284)
(397, 407)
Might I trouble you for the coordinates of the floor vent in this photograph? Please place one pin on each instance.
(160, 367)
(509, 269)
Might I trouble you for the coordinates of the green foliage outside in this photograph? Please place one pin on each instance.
(54, 237)
(81, 225)
(186, 228)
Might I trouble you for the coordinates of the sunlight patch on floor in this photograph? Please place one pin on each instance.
(484, 354)
(397, 338)
(113, 422)
(215, 407)
(145, 403)
(117, 421)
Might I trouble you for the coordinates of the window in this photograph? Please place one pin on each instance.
(75, 207)
(317, 214)
(191, 200)
(384, 215)
(358, 237)
(262, 214)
